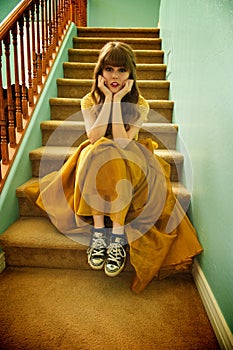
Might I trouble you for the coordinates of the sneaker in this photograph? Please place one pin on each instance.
(116, 256)
(96, 253)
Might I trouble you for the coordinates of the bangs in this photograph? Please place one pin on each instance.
(117, 58)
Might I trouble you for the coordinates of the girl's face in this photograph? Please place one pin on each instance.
(115, 78)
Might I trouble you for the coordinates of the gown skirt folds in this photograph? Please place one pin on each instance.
(129, 185)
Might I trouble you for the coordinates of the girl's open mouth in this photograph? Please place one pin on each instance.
(114, 84)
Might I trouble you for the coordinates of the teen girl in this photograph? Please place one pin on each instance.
(114, 188)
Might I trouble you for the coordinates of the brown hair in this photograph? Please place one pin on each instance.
(116, 54)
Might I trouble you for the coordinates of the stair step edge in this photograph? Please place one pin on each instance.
(121, 29)
(38, 232)
(76, 101)
(56, 152)
(127, 39)
(88, 65)
(80, 125)
(21, 192)
(87, 82)
(137, 52)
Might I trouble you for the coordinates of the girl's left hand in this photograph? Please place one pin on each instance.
(124, 91)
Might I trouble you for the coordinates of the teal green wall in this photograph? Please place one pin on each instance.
(123, 13)
(21, 169)
(198, 43)
(6, 6)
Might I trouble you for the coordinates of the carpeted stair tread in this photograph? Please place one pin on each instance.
(91, 55)
(63, 108)
(99, 42)
(53, 157)
(76, 101)
(29, 209)
(38, 232)
(71, 132)
(80, 70)
(77, 88)
(86, 65)
(88, 82)
(120, 32)
(52, 152)
(34, 241)
(80, 125)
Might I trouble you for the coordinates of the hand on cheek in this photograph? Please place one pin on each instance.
(127, 86)
(102, 86)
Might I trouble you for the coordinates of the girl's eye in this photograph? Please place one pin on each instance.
(122, 70)
(108, 69)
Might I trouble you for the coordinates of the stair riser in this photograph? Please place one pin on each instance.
(50, 258)
(59, 112)
(80, 73)
(64, 138)
(29, 209)
(53, 164)
(160, 115)
(121, 33)
(75, 56)
(62, 112)
(150, 44)
(78, 91)
(67, 137)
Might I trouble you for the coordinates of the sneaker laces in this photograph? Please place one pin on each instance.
(98, 246)
(115, 253)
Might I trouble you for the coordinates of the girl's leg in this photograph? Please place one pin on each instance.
(98, 221)
(117, 228)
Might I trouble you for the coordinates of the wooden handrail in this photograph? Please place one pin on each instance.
(13, 17)
(29, 38)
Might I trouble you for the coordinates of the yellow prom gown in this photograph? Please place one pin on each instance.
(129, 185)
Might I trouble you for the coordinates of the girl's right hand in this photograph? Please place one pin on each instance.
(103, 87)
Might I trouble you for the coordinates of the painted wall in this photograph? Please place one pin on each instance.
(21, 169)
(123, 13)
(198, 42)
(6, 6)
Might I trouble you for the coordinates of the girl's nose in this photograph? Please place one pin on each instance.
(115, 74)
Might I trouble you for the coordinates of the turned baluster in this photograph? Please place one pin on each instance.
(3, 124)
(73, 11)
(39, 62)
(10, 106)
(65, 14)
(50, 30)
(23, 86)
(18, 109)
(34, 63)
(55, 22)
(68, 11)
(58, 21)
(43, 38)
(29, 60)
(46, 40)
(84, 24)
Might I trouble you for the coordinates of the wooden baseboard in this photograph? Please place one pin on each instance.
(217, 320)
(2, 262)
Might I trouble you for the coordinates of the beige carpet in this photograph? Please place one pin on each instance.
(85, 310)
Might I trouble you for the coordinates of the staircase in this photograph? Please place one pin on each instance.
(32, 240)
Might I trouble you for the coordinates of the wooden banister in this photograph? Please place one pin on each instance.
(29, 38)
